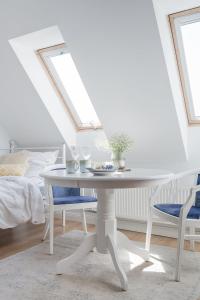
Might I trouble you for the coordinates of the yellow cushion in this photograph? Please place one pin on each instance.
(20, 157)
(13, 169)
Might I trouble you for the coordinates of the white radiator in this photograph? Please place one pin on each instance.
(133, 203)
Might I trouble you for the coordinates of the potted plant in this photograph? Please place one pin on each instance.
(120, 143)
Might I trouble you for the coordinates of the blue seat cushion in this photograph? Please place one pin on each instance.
(174, 210)
(74, 200)
(59, 191)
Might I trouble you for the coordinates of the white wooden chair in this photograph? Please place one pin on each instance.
(65, 203)
(86, 202)
(182, 215)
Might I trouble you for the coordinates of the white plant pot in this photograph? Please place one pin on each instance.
(118, 160)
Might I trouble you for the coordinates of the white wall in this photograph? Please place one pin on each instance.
(24, 48)
(22, 111)
(166, 38)
(117, 50)
(4, 139)
(191, 134)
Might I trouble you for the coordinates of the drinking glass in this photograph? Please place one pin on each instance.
(85, 152)
(74, 152)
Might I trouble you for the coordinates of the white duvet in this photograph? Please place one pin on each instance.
(20, 202)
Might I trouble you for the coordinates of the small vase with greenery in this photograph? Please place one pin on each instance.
(120, 143)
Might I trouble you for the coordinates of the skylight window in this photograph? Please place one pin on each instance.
(186, 35)
(69, 86)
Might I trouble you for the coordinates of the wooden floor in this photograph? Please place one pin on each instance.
(27, 235)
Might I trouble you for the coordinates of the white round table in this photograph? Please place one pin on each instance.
(107, 238)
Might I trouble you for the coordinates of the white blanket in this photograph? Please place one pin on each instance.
(20, 201)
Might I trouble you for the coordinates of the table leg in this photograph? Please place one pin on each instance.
(106, 220)
(112, 247)
(106, 239)
(123, 242)
(87, 245)
(107, 231)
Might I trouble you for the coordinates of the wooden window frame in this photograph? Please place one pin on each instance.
(192, 119)
(69, 110)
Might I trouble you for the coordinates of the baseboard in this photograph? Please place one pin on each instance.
(159, 228)
(162, 229)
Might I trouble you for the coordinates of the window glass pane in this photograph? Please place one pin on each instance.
(191, 44)
(71, 81)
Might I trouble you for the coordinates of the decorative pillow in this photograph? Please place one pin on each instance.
(13, 169)
(38, 161)
(20, 157)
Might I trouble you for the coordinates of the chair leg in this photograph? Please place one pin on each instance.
(149, 231)
(46, 230)
(84, 222)
(63, 219)
(180, 246)
(192, 242)
(51, 228)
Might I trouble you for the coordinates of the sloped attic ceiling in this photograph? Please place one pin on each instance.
(118, 53)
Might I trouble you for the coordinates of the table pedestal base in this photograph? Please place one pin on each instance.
(106, 239)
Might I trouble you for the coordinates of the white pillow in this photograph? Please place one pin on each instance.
(38, 161)
(35, 168)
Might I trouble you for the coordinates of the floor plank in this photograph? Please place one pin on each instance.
(25, 236)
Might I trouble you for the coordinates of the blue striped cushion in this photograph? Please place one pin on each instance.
(73, 200)
(174, 210)
(65, 195)
(59, 191)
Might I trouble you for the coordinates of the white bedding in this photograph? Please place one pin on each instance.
(20, 201)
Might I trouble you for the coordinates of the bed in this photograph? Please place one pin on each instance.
(21, 187)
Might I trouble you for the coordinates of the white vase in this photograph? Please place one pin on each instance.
(118, 160)
(122, 163)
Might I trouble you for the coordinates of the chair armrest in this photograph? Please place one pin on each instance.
(188, 204)
(196, 188)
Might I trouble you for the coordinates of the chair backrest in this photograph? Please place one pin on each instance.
(178, 189)
(197, 199)
(61, 192)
